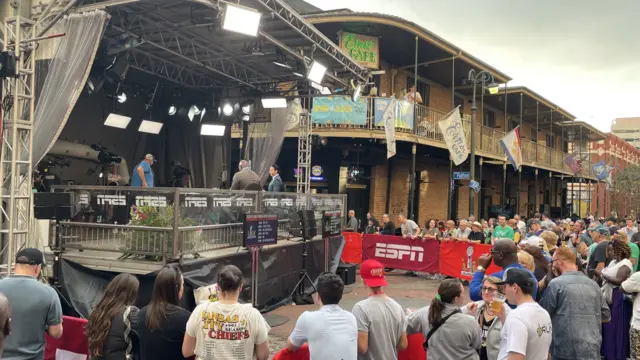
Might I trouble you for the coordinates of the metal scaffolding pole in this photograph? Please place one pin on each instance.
(412, 184)
(304, 149)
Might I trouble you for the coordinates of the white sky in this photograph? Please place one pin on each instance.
(583, 55)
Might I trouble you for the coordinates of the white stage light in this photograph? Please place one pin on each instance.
(274, 103)
(122, 98)
(172, 110)
(246, 117)
(117, 121)
(316, 73)
(246, 109)
(316, 86)
(193, 111)
(202, 112)
(227, 109)
(286, 66)
(357, 90)
(212, 130)
(241, 20)
(325, 91)
(298, 74)
(150, 127)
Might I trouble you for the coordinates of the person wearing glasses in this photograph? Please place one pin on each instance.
(504, 254)
(576, 307)
(486, 319)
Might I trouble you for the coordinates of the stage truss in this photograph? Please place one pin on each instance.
(303, 181)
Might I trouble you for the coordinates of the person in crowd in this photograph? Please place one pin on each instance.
(540, 262)
(577, 310)
(492, 223)
(110, 336)
(581, 233)
(502, 230)
(516, 232)
(547, 223)
(611, 221)
(162, 323)
(631, 286)
(504, 255)
(521, 225)
(276, 184)
(598, 255)
(388, 227)
(551, 241)
(450, 230)
(635, 238)
(226, 329)
(376, 223)
(487, 231)
(526, 260)
(413, 96)
(371, 227)
(5, 320)
(621, 235)
(353, 223)
(35, 308)
(562, 233)
(486, 319)
(463, 231)
(245, 178)
(527, 330)
(430, 229)
(441, 227)
(448, 333)
(630, 228)
(381, 321)
(332, 333)
(476, 235)
(408, 227)
(142, 175)
(535, 229)
(615, 334)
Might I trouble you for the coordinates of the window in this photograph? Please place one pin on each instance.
(551, 141)
(423, 89)
(489, 119)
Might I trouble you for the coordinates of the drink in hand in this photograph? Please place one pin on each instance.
(497, 303)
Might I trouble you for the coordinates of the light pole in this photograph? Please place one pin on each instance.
(486, 79)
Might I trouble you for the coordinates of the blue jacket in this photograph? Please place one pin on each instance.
(478, 276)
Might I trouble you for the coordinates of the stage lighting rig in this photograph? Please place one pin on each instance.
(241, 19)
(172, 110)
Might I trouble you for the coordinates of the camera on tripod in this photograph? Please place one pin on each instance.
(179, 173)
(105, 157)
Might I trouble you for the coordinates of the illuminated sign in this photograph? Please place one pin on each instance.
(316, 173)
(363, 49)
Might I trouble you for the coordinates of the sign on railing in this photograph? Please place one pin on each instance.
(339, 110)
(403, 113)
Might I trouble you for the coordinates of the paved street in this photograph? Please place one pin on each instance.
(410, 292)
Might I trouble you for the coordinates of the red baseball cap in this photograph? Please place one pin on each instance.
(372, 273)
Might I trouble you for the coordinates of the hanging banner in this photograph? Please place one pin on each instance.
(398, 253)
(511, 145)
(453, 134)
(339, 110)
(600, 170)
(459, 259)
(402, 112)
(389, 128)
(363, 49)
(574, 162)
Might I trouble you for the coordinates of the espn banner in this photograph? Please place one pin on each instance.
(398, 253)
(459, 259)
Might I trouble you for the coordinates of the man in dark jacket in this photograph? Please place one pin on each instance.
(276, 184)
(388, 227)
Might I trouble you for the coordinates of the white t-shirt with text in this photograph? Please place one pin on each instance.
(227, 331)
(526, 331)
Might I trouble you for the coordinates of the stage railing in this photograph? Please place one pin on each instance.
(168, 223)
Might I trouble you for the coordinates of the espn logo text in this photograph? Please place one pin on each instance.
(394, 251)
(159, 201)
(115, 200)
(195, 201)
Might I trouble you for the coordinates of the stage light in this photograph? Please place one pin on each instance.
(202, 112)
(241, 20)
(274, 103)
(122, 98)
(117, 121)
(172, 110)
(316, 73)
(150, 127)
(247, 106)
(212, 130)
(284, 65)
(193, 111)
(325, 91)
(357, 90)
(245, 118)
(316, 86)
(227, 109)
(100, 176)
(298, 74)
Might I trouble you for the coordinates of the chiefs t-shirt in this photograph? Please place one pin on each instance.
(225, 331)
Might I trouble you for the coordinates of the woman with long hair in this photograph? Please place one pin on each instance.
(486, 319)
(430, 229)
(163, 322)
(111, 326)
(456, 335)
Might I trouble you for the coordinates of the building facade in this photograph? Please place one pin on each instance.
(627, 129)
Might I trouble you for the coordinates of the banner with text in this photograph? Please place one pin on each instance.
(398, 253)
(340, 110)
(402, 112)
(389, 127)
(460, 258)
(453, 133)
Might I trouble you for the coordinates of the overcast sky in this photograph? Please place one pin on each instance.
(583, 55)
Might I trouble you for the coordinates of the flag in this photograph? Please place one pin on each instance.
(389, 120)
(474, 185)
(600, 170)
(511, 145)
(453, 133)
(574, 162)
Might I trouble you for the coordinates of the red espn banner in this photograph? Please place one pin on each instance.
(398, 253)
(459, 259)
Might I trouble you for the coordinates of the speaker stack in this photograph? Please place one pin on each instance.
(54, 205)
(303, 224)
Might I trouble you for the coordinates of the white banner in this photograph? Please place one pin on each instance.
(389, 118)
(453, 133)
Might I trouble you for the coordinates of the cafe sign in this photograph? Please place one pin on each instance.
(362, 48)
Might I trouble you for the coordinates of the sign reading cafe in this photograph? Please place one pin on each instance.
(362, 48)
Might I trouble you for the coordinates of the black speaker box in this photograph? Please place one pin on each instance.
(54, 206)
(348, 273)
(303, 224)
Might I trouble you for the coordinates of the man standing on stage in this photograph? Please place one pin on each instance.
(276, 181)
(143, 174)
(245, 179)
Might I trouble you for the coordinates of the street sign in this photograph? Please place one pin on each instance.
(461, 175)
(474, 185)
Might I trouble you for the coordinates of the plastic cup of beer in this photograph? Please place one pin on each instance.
(498, 302)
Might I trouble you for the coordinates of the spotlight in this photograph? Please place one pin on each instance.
(247, 107)
(227, 109)
(122, 98)
(193, 111)
(202, 112)
(117, 121)
(150, 127)
(324, 140)
(274, 103)
(241, 20)
(172, 110)
(212, 130)
(316, 73)
(357, 90)
(246, 117)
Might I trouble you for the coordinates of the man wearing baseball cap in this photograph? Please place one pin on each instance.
(527, 318)
(143, 174)
(598, 250)
(35, 308)
(381, 321)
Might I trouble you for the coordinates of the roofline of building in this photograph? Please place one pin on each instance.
(586, 125)
(534, 95)
(346, 15)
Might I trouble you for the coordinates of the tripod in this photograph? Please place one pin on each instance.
(297, 295)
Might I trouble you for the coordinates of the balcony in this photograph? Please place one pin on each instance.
(428, 133)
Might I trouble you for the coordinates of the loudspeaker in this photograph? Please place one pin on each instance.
(303, 224)
(54, 206)
(348, 273)
(8, 64)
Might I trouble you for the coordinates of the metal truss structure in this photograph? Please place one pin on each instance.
(18, 94)
(303, 181)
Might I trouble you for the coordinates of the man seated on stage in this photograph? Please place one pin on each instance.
(245, 179)
(331, 332)
(143, 174)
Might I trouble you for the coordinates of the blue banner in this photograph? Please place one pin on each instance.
(403, 113)
(339, 110)
(600, 170)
